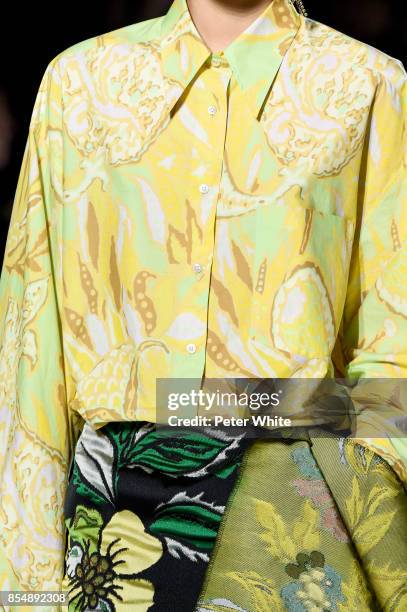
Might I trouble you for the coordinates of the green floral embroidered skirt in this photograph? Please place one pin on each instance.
(210, 521)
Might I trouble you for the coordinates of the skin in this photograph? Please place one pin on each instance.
(219, 22)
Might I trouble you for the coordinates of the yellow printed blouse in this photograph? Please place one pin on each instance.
(181, 213)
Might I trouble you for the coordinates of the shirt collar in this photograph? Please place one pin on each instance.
(254, 56)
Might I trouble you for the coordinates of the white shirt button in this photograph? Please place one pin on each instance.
(197, 268)
(191, 348)
(204, 188)
(212, 110)
(216, 60)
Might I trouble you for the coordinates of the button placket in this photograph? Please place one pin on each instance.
(213, 164)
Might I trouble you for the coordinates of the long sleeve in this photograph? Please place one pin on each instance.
(36, 429)
(374, 325)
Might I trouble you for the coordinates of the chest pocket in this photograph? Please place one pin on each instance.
(301, 265)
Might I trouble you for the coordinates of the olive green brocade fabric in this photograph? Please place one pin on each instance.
(315, 525)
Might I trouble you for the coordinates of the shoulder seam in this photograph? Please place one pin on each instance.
(105, 35)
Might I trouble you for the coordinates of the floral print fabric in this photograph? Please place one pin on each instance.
(143, 509)
(328, 533)
(280, 169)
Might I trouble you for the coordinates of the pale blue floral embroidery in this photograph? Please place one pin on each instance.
(317, 586)
(306, 463)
